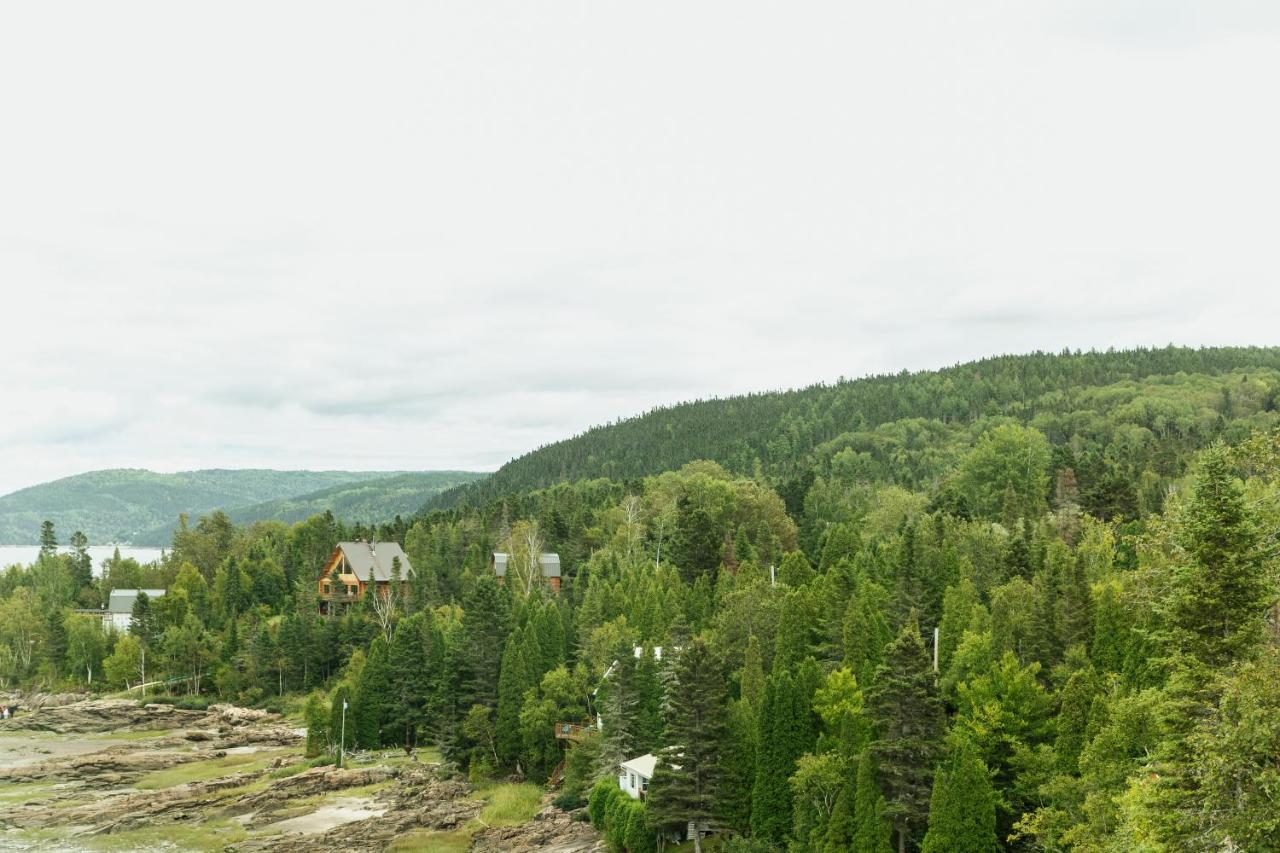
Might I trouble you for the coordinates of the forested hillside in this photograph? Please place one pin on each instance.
(909, 428)
(142, 507)
(1098, 560)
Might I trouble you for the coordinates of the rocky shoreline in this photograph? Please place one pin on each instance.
(93, 773)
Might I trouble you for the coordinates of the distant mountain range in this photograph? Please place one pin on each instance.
(141, 507)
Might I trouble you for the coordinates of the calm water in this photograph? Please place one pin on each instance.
(26, 554)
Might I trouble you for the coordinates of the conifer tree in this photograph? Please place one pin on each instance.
(48, 540)
(514, 680)
(962, 815)
(1220, 598)
(696, 734)
(907, 715)
(1075, 606)
(872, 829)
(317, 717)
(742, 742)
(785, 733)
(841, 826)
(486, 620)
(375, 702)
(618, 710)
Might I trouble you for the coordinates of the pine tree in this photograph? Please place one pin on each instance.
(81, 561)
(1075, 701)
(48, 540)
(907, 715)
(514, 679)
(872, 828)
(375, 702)
(618, 709)
(1075, 607)
(1220, 599)
(742, 742)
(962, 812)
(413, 679)
(785, 733)
(696, 734)
(486, 620)
(317, 717)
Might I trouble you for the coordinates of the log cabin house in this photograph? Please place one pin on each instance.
(354, 567)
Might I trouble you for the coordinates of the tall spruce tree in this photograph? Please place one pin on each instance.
(619, 707)
(1221, 588)
(962, 811)
(690, 774)
(375, 699)
(786, 732)
(908, 720)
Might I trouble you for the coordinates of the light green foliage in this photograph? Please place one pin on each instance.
(962, 817)
(123, 666)
(1006, 475)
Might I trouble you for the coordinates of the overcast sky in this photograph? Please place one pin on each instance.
(437, 235)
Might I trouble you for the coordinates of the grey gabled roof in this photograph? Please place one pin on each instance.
(365, 559)
(550, 564)
(121, 600)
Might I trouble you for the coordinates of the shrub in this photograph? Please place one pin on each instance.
(638, 835)
(568, 801)
(598, 800)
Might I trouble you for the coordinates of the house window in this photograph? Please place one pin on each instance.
(633, 779)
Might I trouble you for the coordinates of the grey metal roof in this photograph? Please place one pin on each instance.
(550, 564)
(121, 600)
(366, 558)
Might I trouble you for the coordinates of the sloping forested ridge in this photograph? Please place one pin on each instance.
(782, 433)
(1100, 574)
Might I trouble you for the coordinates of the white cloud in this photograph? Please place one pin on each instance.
(413, 236)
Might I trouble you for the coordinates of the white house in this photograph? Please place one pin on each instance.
(120, 607)
(634, 775)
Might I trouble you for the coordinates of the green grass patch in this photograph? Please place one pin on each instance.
(457, 841)
(510, 803)
(200, 771)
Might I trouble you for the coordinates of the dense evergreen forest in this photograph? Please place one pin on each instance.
(752, 592)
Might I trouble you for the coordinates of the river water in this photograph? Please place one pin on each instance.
(26, 554)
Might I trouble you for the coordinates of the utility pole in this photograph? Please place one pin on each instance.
(342, 739)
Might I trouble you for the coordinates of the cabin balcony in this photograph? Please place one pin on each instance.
(573, 732)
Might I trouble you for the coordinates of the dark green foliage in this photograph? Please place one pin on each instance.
(375, 699)
(317, 719)
(696, 544)
(779, 428)
(962, 817)
(695, 737)
(1219, 604)
(485, 622)
(907, 717)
